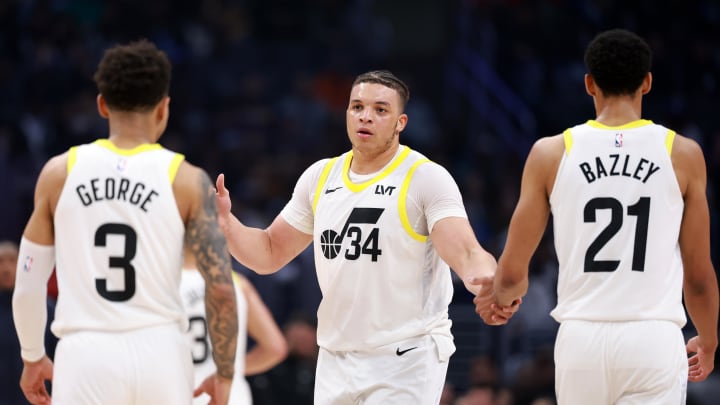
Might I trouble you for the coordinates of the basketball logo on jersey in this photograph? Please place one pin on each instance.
(27, 265)
(121, 164)
(331, 241)
(618, 139)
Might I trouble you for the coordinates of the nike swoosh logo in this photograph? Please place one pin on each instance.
(401, 352)
(330, 190)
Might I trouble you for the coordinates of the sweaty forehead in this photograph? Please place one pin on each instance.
(370, 93)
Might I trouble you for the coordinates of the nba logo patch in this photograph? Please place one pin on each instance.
(121, 164)
(618, 139)
(27, 265)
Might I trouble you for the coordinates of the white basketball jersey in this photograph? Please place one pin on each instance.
(192, 291)
(119, 240)
(617, 208)
(381, 281)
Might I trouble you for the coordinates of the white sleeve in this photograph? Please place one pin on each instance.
(298, 212)
(34, 267)
(433, 195)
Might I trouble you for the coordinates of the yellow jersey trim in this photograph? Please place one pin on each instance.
(629, 125)
(174, 166)
(105, 143)
(72, 158)
(567, 137)
(237, 279)
(402, 203)
(362, 186)
(669, 138)
(321, 182)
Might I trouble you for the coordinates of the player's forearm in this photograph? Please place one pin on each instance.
(480, 264)
(29, 301)
(249, 246)
(264, 357)
(222, 318)
(701, 300)
(30, 316)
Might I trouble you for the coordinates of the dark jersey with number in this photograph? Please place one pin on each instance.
(119, 240)
(617, 209)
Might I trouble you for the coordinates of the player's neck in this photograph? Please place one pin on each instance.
(617, 111)
(371, 162)
(129, 133)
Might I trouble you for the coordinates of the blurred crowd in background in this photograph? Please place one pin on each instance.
(259, 92)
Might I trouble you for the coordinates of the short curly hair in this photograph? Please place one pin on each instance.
(618, 60)
(133, 76)
(387, 79)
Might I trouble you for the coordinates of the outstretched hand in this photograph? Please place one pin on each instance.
(486, 303)
(701, 362)
(32, 380)
(222, 199)
(217, 387)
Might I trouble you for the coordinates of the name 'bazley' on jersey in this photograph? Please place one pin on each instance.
(619, 165)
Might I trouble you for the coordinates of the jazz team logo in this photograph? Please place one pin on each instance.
(368, 244)
(618, 139)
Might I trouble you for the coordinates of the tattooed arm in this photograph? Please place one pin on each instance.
(207, 245)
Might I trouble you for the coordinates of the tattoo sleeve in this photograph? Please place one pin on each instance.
(208, 246)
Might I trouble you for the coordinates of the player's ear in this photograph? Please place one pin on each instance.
(102, 107)
(162, 109)
(646, 84)
(401, 122)
(590, 86)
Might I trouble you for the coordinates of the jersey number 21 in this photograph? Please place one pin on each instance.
(640, 209)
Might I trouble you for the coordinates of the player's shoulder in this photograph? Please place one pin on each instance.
(687, 157)
(192, 188)
(190, 175)
(320, 164)
(550, 147)
(313, 172)
(550, 143)
(56, 168)
(429, 168)
(686, 147)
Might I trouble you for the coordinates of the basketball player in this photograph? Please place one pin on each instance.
(386, 222)
(270, 346)
(113, 216)
(631, 227)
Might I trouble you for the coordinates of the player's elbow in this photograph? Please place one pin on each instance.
(281, 350)
(699, 283)
(277, 351)
(222, 294)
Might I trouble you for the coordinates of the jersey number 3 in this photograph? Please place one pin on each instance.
(640, 209)
(118, 262)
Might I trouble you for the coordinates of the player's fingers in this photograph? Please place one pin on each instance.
(220, 184)
(199, 390)
(39, 396)
(498, 320)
